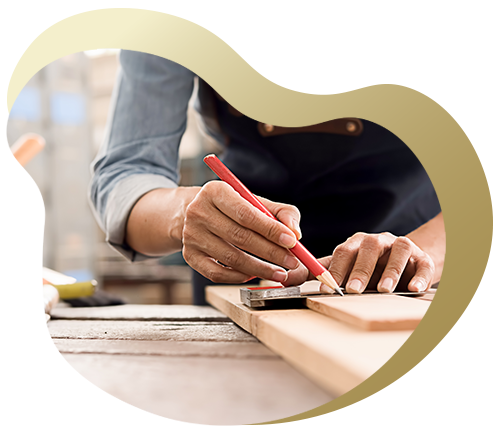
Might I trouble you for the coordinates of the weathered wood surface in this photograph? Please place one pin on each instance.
(155, 331)
(221, 349)
(182, 362)
(335, 355)
(141, 312)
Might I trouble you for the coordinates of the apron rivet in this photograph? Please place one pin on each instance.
(350, 126)
(269, 128)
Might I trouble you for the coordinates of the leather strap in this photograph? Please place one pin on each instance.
(343, 126)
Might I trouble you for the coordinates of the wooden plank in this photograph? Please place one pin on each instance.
(333, 354)
(217, 391)
(154, 331)
(220, 349)
(427, 296)
(141, 312)
(229, 303)
(372, 312)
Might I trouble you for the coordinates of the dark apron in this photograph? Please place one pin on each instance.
(341, 182)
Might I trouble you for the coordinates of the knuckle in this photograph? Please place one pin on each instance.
(344, 251)
(361, 273)
(293, 209)
(231, 258)
(244, 214)
(388, 235)
(211, 187)
(393, 272)
(404, 243)
(240, 236)
(276, 254)
(358, 235)
(193, 212)
(213, 275)
(427, 262)
(371, 243)
(274, 229)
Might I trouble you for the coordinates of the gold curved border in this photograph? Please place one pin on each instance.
(422, 124)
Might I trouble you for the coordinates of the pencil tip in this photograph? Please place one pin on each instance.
(327, 279)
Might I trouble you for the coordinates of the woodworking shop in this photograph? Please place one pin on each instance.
(211, 268)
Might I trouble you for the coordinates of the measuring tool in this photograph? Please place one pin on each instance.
(278, 296)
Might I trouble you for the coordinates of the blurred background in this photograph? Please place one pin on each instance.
(67, 103)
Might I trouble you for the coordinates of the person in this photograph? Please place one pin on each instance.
(354, 191)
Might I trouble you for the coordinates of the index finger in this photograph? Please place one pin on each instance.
(422, 279)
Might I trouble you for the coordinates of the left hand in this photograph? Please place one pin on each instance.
(375, 261)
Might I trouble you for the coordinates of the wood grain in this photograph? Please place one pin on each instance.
(372, 312)
(335, 355)
(185, 363)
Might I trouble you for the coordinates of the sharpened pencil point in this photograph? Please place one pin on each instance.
(327, 279)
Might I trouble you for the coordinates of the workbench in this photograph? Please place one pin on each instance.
(186, 363)
(232, 364)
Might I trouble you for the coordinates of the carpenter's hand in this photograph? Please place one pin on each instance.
(220, 225)
(375, 261)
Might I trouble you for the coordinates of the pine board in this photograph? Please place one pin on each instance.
(372, 312)
(333, 354)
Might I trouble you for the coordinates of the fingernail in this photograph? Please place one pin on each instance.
(417, 286)
(287, 240)
(279, 276)
(296, 227)
(386, 285)
(354, 286)
(290, 262)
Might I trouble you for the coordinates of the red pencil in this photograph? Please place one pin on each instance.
(302, 254)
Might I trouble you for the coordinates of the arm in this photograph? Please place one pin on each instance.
(431, 238)
(156, 222)
(140, 150)
(144, 213)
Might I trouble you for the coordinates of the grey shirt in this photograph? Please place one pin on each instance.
(140, 151)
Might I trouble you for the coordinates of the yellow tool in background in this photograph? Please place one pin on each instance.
(76, 290)
(59, 286)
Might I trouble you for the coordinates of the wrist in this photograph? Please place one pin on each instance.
(431, 239)
(156, 221)
(184, 196)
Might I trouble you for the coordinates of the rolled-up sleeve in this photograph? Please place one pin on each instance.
(140, 150)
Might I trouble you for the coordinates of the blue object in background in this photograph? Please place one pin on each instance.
(27, 105)
(80, 275)
(67, 108)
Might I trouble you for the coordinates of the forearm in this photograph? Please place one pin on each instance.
(155, 224)
(431, 238)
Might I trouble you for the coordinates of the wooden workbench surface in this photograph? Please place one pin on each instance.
(182, 362)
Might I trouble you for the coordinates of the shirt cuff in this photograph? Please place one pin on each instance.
(119, 205)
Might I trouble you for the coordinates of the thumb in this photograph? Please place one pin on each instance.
(287, 214)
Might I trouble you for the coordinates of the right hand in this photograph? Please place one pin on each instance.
(220, 227)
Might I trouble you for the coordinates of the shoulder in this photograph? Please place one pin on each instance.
(145, 65)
